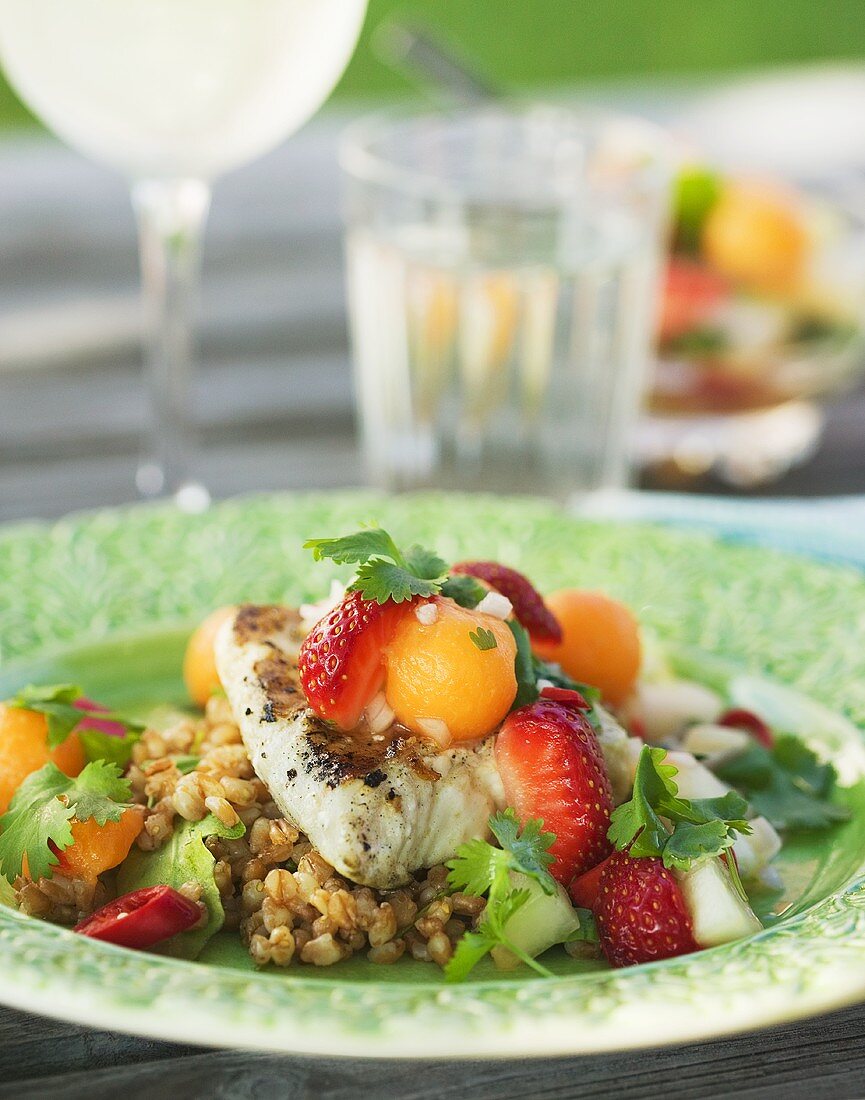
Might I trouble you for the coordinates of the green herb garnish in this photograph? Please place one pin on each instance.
(787, 784)
(700, 826)
(384, 571)
(484, 639)
(43, 807)
(483, 870)
(465, 590)
(57, 703)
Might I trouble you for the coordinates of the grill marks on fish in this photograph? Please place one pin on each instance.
(260, 622)
(377, 806)
(329, 755)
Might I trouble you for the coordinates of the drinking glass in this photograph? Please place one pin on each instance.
(172, 93)
(502, 269)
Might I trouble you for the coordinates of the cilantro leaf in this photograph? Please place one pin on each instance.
(382, 581)
(479, 868)
(356, 548)
(384, 572)
(484, 639)
(529, 850)
(476, 867)
(788, 784)
(697, 828)
(465, 590)
(470, 949)
(99, 792)
(44, 805)
(425, 564)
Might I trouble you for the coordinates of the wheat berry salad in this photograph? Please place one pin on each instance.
(433, 762)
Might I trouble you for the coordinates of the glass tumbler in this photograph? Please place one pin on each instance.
(502, 271)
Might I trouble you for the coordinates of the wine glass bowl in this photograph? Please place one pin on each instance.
(173, 93)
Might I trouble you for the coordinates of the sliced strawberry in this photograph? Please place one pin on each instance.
(640, 912)
(528, 603)
(584, 890)
(552, 767)
(341, 661)
(740, 719)
(565, 695)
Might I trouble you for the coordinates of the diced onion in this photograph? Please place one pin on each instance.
(436, 730)
(426, 613)
(495, 604)
(379, 715)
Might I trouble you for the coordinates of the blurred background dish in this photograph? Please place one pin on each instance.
(763, 306)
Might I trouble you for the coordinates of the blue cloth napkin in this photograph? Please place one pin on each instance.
(831, 528)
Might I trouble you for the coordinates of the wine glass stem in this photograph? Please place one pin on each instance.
(171, 216)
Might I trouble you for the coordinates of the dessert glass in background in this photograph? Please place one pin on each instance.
(502, 276)
(173, 93)
(762, 315)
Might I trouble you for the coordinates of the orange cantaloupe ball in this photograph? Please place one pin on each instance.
(199, 660)
(600, 641)
(435, 671)
(24, 749)
(754, 235)
(97, 848)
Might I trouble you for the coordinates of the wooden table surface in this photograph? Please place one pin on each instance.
(273, 394)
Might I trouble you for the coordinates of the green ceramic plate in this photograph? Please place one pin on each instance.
(107, 599)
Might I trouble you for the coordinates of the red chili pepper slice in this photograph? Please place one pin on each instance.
(142, 918)
(741, 719)
(565, 695)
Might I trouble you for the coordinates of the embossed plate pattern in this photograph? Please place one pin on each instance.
(107, 597)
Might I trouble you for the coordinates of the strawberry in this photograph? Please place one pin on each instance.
(640, 912)
(529, 606)
(691, 294)
(741, 719)
(341, 661)
(584, 890)
(552, 767)
(565, 695)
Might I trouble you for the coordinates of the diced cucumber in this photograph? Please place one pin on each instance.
(544, 920)
(715, 743)
(718, 912)
(667, 707)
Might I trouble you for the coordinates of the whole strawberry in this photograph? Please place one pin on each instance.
(341, 661)
(552, 768)
(640, 912)
(529, 607)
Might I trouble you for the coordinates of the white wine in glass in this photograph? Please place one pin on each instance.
(173, 93)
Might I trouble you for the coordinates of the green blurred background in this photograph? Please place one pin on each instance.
(522, 43)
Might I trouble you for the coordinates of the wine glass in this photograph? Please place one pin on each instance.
(172, 93)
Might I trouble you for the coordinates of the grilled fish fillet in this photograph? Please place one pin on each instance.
(376, 807)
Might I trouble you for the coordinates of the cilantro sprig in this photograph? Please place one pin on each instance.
(658, 822)
(481, 869)
(65, 708)
(384, 571)
(43, 808)
(787, 784)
